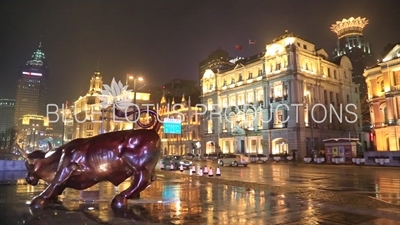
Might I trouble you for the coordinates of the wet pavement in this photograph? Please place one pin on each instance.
(380, 183)
(284, 194)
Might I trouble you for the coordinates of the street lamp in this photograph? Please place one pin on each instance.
(134, 78)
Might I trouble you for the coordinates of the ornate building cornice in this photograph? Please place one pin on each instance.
(349, 27)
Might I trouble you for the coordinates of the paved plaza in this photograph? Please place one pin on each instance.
(258, 194)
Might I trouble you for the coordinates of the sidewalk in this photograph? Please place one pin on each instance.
(302, 163)
(335, 165)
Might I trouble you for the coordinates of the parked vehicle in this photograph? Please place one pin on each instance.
(234, 160)
(253, 157)
(262, 158)
(176, 160)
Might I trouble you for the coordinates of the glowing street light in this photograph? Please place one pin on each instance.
(134, 78)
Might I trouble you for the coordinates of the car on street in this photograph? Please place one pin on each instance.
(177, 161)
(234, 160)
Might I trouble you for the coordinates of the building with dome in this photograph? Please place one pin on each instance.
(91, 119)
(288, 97)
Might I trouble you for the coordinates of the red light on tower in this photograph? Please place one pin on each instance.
(163, 87)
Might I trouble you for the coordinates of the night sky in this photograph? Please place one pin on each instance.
(164, 39)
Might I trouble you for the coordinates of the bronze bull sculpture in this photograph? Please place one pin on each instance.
(84, 162)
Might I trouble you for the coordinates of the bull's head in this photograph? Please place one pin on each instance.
(32, 163)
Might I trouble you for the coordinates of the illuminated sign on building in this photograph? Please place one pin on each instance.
(32, 74)
(172, 126)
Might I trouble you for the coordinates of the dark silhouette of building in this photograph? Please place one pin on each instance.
(352, 44)
(177, 88)
(155, 91)
(31, 97)
(218, 59)
(387, 49)
(7, 109)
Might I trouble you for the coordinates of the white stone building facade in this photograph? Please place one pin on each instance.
(273, 102)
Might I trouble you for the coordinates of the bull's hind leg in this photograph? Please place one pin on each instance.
(141, 180)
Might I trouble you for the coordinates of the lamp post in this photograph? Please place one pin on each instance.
(134, 78)
(312, 96)
(63, 132)
(34, 138)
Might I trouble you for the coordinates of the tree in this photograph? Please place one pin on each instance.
(10, 135)
(2, 140)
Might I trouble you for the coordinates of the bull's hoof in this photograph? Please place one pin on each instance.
(119, 202)
(39, 202)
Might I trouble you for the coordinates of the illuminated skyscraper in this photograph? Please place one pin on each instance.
(32, 83)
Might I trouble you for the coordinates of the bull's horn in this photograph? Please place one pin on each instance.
(50, 146)
(22, 152)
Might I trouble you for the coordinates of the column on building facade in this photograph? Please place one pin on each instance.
(295, 111)
(226, 114)
(391, 79)
(389, 109)
(267, 104)
(263, 65)
(377, 113)
(396, 104)
(290, 90)
(256, 106)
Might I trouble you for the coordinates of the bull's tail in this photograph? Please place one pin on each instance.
(154, 122)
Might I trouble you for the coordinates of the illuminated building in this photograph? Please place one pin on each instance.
(243, 103)
(89, 117)
(31, 95)
(31, 131)
(351, 43)
(383, 82)
(67, 119)
(180, 144)
(7, 109)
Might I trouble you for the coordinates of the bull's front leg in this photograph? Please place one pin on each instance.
(141, 180)
(65, 170)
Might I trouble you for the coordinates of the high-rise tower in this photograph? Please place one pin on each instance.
(31, 98)
(352, 44)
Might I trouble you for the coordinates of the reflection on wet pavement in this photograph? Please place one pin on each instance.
(182, 201)
(380, 183)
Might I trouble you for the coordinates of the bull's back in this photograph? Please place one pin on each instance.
(108, 153)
